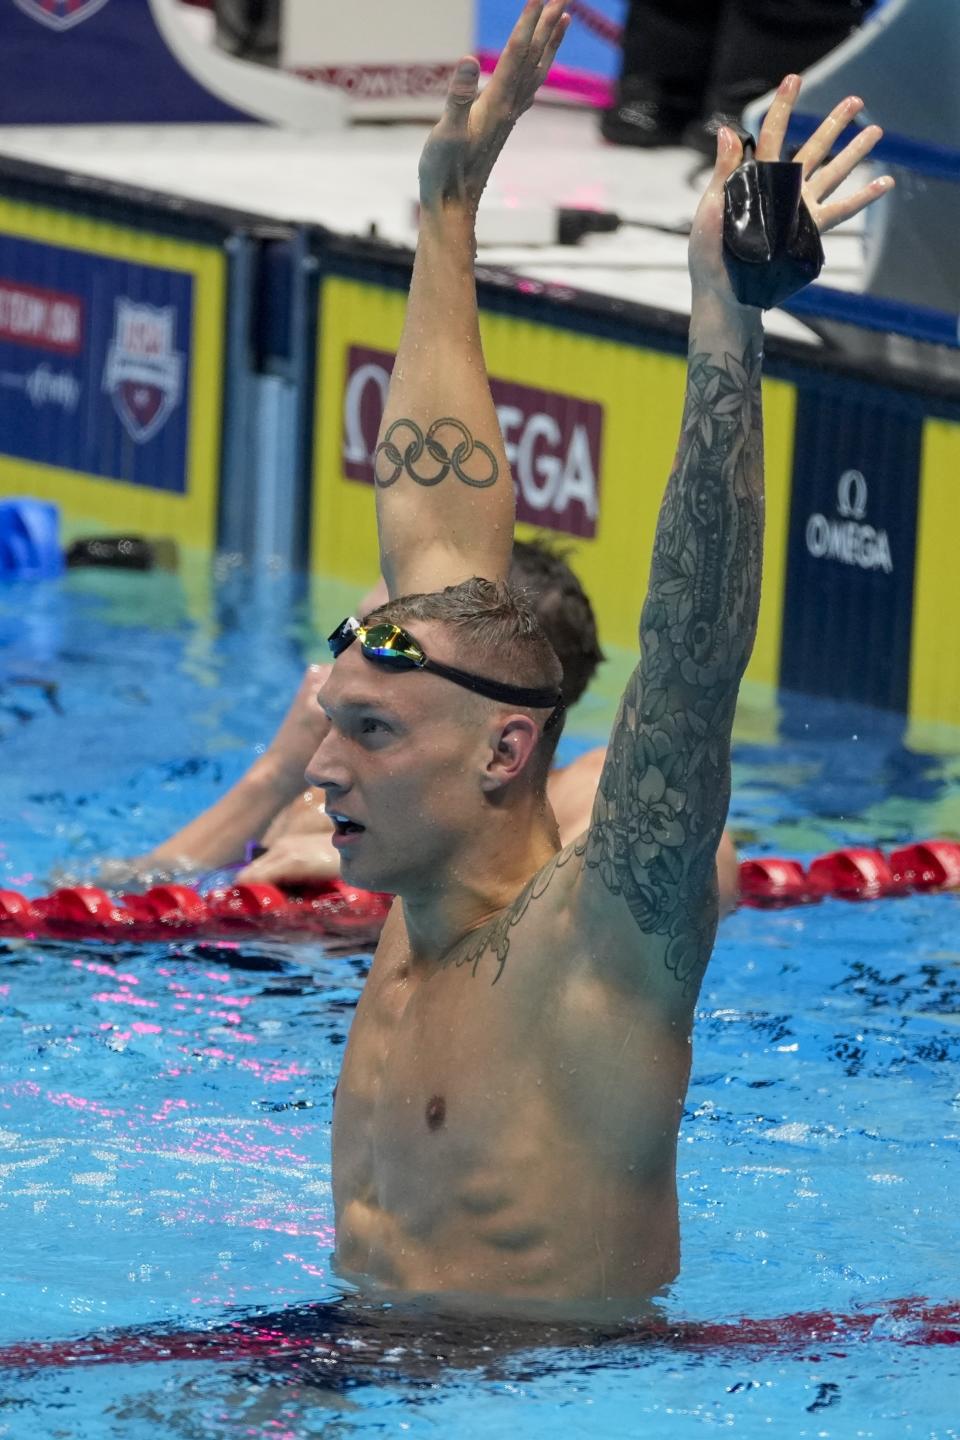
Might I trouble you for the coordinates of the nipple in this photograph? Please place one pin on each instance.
(436, 1112)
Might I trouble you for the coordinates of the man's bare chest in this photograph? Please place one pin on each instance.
(483, 1068)
(425, 1049)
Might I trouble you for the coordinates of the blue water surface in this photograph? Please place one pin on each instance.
(165, 1110)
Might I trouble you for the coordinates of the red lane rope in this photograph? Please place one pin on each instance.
(335, 909)
(178, 912)
(910, 1321)
(857, 873)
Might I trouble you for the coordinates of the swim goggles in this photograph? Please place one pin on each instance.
(387, 644)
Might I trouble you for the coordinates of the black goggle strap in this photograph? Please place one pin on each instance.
(537, 698)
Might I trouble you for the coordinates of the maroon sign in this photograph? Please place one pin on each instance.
(44, 319)
(553, 442)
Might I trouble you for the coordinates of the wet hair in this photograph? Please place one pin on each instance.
(563, 609)
(498, 635)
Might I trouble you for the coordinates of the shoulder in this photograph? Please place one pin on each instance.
(535, 925)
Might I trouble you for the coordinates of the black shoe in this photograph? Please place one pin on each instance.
(724, 105)
(642, 116)
(701, 134)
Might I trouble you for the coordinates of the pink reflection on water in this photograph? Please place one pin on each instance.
(96, 967)
(306, 1265)
(321, 1230)
(80, 1102)
(239, 1149)
(167, 1108)
(123, 997)
(253, 1163)
(276, 1073)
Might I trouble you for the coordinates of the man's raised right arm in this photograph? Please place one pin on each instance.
(445, 503)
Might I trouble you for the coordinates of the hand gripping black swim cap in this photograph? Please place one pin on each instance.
(771, 245)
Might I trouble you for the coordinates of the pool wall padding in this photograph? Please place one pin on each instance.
(112, 344)
(862, 431)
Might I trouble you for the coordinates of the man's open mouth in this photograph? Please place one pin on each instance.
(343, 825)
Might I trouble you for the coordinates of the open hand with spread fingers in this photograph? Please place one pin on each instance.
(822, 177)
(462, 148)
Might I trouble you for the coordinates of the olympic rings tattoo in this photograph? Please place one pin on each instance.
(406, 460)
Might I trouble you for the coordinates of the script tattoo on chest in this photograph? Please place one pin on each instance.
(494, 937)
(664, 791)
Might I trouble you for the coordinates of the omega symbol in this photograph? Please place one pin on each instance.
(852, 495)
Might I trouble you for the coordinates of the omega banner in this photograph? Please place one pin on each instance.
(590, 427)
(871, 574)
(863, 497)
(562, 408)
(553, 443)
(111, 366)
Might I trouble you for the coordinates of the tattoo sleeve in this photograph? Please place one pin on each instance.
(664, 791)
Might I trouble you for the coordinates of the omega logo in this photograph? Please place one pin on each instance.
(852, 495)
(846, 539)
(357, 447)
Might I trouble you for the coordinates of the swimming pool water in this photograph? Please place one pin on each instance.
(165, 1110)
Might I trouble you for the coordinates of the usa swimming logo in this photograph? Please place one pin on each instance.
(143, 374)
(60, 14)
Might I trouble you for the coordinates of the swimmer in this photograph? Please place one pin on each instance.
(506, 1118)
(270, 801)
(297, 846)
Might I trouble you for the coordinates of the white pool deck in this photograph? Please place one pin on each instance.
(365, 176)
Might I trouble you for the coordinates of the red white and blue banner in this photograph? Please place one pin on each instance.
(94, 361)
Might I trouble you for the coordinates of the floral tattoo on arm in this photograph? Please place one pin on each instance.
(663, 795)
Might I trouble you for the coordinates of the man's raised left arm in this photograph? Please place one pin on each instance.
(663, 794)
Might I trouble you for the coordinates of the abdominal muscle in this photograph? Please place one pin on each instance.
(488, 1145)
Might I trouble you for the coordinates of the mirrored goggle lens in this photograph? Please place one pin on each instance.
(389, 642)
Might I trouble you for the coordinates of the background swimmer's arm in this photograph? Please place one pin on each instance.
(219, 835)
(273, 781)
(445, 502)
(665, 787)
(300, 858)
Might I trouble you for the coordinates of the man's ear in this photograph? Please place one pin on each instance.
(512, 743)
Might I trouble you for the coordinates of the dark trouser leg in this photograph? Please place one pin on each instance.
(672, 42)
(757, 43)
(668, 48)
(760, 41)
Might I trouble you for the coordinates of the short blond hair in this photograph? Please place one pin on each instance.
(497, 635)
